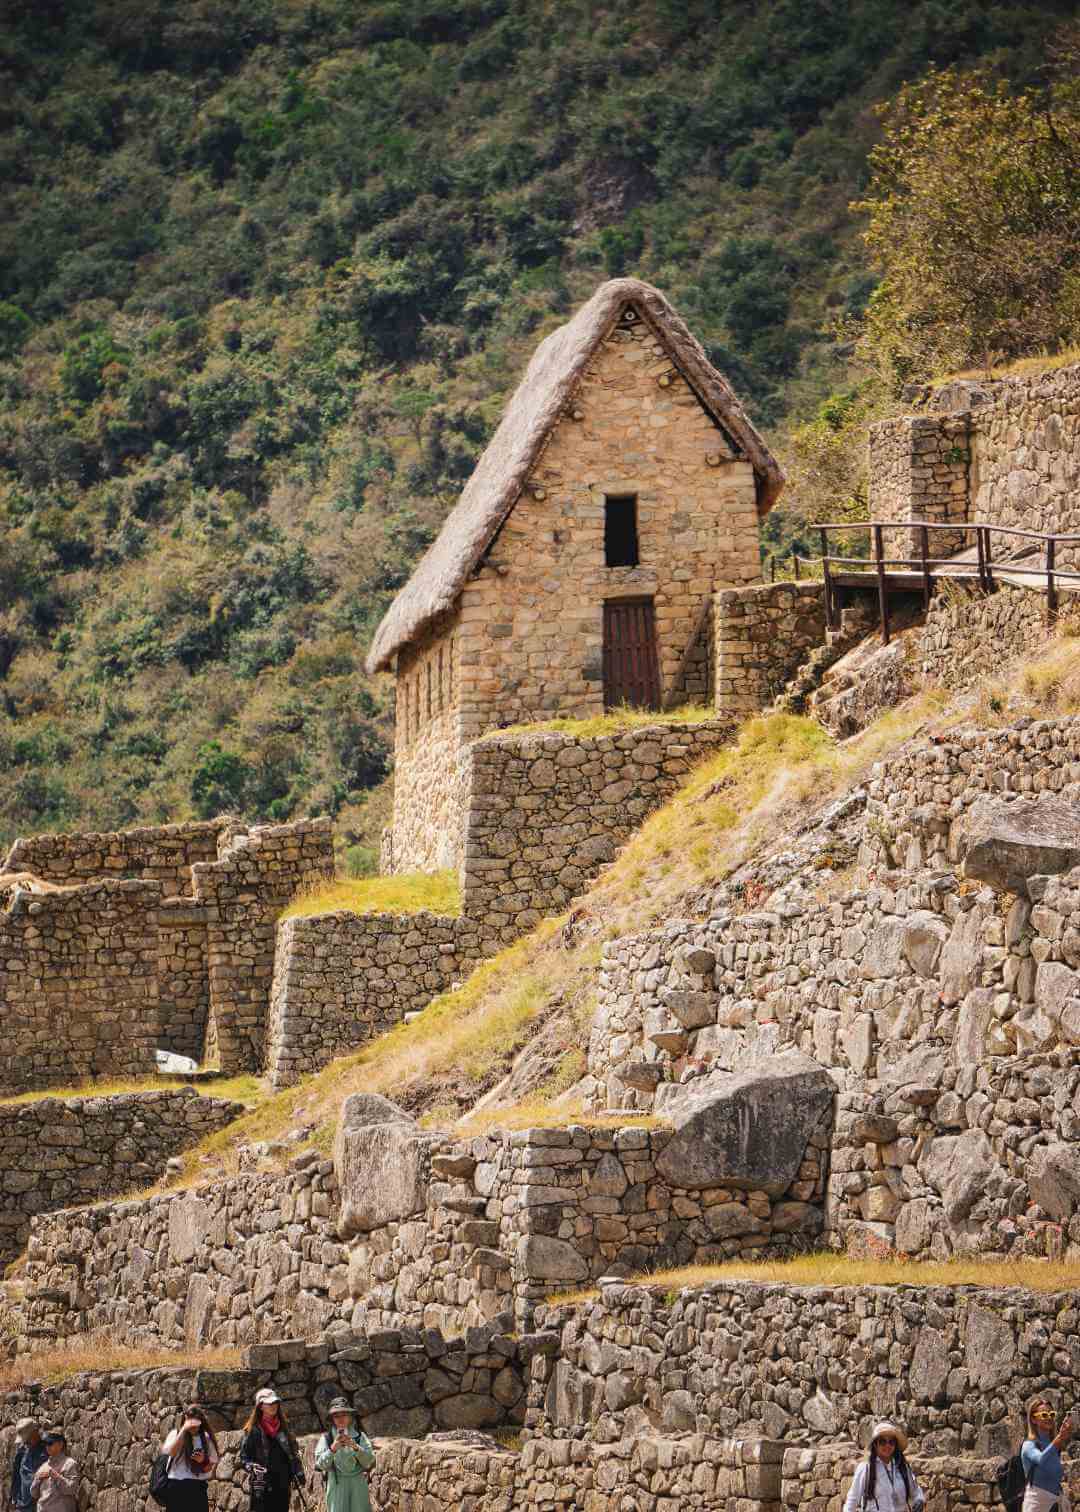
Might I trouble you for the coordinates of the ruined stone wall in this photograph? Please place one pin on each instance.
(919, 467)
(443, 1234)
(79, 985)
(243, 892)
(162, 853)
(546, 811)
(955, 1365)
(56, 1153)
(429, 780)
(948, 1016)
(1026, 456)
(761, 637)
(241, 1261)
(340, 979)
(530, 635)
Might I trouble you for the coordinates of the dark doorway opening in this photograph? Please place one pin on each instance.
(631, 666)
(620, 531)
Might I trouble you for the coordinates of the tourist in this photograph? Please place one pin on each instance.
(29, 1458)
(55, 1487)
(885, 1479)
(345, 1456)
(193, 1453)
(269, 1454)
(1041, 1457)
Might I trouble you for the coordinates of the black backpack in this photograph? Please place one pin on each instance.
(159, 1479)
(1011, 1478)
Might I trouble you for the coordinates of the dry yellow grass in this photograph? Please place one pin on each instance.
(98, 1353)
(246, 1089)
(411, 892)
(612, 723)
(1039, 362)
(540, 1113)
(827, 1269)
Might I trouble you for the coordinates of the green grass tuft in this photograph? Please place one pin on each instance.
(614, 722)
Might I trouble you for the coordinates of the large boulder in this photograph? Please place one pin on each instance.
(382, 1168)
(1006, 842)
(747, 1131)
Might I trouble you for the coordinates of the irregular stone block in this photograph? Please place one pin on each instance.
(958, 1166)
(1005, 843)
(542, 1258)
(1054, 1179)
(382, 1172)
(749, 1130)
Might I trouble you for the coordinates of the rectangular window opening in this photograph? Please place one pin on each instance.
(620, 531)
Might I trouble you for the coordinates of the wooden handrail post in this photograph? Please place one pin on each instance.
(795, 564)
(1051, 586)
(988, 558)
(883, 595)
(772, 567)
(924, 547)
(829, 615)
(980, 552)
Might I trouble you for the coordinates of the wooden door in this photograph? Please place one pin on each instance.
(631, 669)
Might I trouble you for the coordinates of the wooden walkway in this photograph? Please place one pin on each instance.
(999, 554)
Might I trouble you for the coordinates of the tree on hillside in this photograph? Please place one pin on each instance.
(974, 206)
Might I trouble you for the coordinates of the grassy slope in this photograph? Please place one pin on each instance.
(267, 274)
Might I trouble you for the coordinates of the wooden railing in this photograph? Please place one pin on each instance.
(878, 566)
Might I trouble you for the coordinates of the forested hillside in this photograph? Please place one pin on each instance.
(268, 270)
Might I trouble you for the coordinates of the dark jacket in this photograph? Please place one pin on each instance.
(277, 1455)
(33, 1459)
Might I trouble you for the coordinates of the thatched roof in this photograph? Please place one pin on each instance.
(550, 379)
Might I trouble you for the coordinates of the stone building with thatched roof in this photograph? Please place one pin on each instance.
(623, 487)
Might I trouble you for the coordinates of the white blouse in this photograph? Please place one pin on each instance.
(179, 1469)
(890, 1489)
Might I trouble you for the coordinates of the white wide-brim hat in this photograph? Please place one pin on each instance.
(881, 1429)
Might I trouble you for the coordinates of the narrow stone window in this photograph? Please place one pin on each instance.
(620, 531)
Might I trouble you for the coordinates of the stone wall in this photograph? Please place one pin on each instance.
(761, 637)
(546, 811)
(529, 640)
(160, 853)
(79, 985)
(1026, 456)
(340, 979)
(245, 1260)
(429, 779)
(55, 1153)
(805, 1364)
(1011, 459)
(242, 893)
(96, 977)
(919, 466)
(440, 1234)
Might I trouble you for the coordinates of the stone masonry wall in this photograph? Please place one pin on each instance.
(429, 780)
(1026, 456)
(162, 853)
(955, 1365)
(919, 470)
(530, 634)
(79, 985)
(243, 892)
(340, 979)
(58, 1152)
(546, 811)
(489, 1228)
(762, 635)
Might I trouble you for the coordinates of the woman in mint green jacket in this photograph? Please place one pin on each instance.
(344, 1457)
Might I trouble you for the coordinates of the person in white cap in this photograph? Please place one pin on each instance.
(269, 1455)
(29, 1458)
(885, 1480)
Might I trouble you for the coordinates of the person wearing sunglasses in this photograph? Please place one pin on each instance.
(885, 1480)
(1041, 1458)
